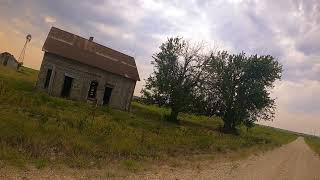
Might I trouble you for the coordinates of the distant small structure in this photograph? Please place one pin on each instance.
(7, 59)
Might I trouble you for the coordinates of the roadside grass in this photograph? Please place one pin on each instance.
(314, 143)
(44, 130)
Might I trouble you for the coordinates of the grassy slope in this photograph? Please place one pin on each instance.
(314, 143)
(40, 129)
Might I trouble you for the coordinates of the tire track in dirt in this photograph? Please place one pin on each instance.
(293, 161)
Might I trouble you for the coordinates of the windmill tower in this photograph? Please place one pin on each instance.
(23, 52)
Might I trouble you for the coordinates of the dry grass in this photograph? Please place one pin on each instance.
(314, 143)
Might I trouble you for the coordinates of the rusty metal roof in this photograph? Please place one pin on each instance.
(74, 47)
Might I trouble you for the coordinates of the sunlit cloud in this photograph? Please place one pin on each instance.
(49, 19)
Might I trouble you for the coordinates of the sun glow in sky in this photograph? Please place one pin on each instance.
(286, 29)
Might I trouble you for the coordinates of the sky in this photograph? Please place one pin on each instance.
(286, 29)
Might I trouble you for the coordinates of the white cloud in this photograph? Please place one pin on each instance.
(125, 9)
(49, 19)
(113, 31)
(128, 36)
(298, 105)
(298, 96)
(107, 29)
(167, 9)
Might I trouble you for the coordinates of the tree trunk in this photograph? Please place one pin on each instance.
(174, 116)
(229, 126)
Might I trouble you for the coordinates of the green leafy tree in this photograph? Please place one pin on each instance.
(240, 86)
(178, 69)
(152, 95)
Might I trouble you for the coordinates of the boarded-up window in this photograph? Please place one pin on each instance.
(93, 90)
(48, 77)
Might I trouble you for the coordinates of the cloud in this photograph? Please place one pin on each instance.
(298, 106)
(108, 30)
(299, 97)
(49, 19)
(309, 43)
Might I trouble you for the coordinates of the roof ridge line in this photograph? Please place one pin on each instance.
(94, 42)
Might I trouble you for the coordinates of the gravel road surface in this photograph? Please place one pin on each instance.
(292, 161)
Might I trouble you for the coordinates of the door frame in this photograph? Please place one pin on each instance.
(104, 94)
(63, 86)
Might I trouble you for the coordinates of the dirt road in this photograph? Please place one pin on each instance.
(292, 161)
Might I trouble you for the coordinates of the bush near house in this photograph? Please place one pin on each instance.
(39, 129)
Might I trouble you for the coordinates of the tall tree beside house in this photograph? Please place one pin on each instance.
(152, 95)
(233, 86)
(240, 85)
(178, 70)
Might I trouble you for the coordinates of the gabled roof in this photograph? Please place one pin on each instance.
(77, 48)
(7, 54)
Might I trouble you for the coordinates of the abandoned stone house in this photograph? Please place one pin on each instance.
(7, 59)
(80, 69)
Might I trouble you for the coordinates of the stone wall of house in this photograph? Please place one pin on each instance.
(82, 76)
(10, 60)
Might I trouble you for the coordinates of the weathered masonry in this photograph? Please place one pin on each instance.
(80, 69)
(7, 59)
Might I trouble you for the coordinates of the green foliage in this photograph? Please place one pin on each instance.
(39, 129)
(40, 163)
(177, 71)
(314, 143)
(131, 165)
(239, 88)
(233, 86)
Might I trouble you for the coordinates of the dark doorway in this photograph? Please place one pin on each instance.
(46, 83)
(107, 95)
(66, 86)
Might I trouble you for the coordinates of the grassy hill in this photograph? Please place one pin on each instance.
(314, 143)
(42, 130)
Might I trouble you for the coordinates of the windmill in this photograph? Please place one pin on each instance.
(23, 52)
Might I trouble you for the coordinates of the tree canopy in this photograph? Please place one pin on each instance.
(233, 86)
(177, 72)
(240, 86)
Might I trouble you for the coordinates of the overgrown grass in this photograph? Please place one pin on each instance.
(39, 129)
(314, 143)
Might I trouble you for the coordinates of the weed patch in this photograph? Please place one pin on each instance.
(314, 143)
